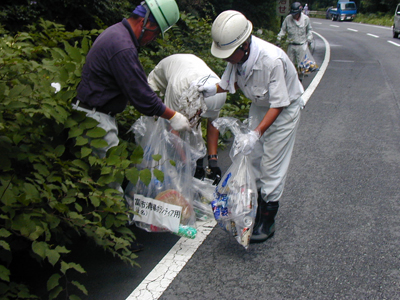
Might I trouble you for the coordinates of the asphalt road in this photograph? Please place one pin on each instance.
(338, 226)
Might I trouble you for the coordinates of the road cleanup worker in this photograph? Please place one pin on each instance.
(306, 11)
(177, 77)
(112, 76)
(265, 74)
(298, 28)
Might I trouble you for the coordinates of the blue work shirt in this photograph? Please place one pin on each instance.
(113, 74)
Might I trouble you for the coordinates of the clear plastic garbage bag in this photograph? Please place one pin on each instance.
(235, 198)
(163, 205)
(203, 196)
(308, 64)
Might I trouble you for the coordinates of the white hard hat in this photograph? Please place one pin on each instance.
(229, 30)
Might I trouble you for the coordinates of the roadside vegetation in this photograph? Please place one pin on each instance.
(53, 192)
(375, 19)
(382, 19)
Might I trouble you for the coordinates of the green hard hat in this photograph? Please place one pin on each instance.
(166, 13)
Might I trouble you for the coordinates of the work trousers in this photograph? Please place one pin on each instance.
(296, 53)
(109, 124)
(273, 151)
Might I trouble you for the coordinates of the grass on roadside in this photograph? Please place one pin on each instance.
(383, 19)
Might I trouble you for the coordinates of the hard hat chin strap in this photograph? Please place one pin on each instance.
(144, 22)
(146, 19)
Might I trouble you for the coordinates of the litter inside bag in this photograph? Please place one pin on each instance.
(190, 103)
(235, 198)
(165, 204)
(203, 195)
(308, 64)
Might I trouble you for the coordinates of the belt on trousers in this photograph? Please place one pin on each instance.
(79, 103)
(297, 44)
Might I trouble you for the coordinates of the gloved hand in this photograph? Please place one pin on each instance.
(208, 90)
(179, 122)
(213, 172)
(245, 143)
(199, 173)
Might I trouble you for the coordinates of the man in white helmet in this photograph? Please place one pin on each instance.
(177, 77)
(298, 28)
(113, 76)
(265, 74)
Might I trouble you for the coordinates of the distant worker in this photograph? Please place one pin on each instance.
(298, 28)
(306, 12)
(177, 77)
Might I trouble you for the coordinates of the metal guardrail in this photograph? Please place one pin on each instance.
(316, 12)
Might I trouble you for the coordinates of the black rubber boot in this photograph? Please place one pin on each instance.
(264, 227)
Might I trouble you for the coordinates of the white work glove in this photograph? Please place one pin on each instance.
(179, 122)
(245, 143)
(208, 90)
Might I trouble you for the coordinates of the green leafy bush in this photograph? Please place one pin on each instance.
(51, 188)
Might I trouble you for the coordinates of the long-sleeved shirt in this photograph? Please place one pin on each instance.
(113, 75)
(273, 79)
(298, 32)
(173, 77)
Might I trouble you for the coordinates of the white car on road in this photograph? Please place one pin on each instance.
(396, 24)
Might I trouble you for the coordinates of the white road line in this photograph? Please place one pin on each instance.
(158, 280)
(351, 29)
(317, 78)
(317, 23)
(373, 35)
(393, 43)
(376, 26)
(334, 25)
(343, 61)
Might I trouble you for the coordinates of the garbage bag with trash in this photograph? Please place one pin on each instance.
(235, 198)
(162, 197)
(308, 64)
(203, 196)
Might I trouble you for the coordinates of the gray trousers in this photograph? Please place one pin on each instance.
(106, 122)
(273, 151)
(109, 124)
(296, 53)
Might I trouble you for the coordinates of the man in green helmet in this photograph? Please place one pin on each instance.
(112, 76)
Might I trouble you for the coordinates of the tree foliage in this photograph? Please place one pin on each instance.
(93, 14)
(15, 15)
(364, 6)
